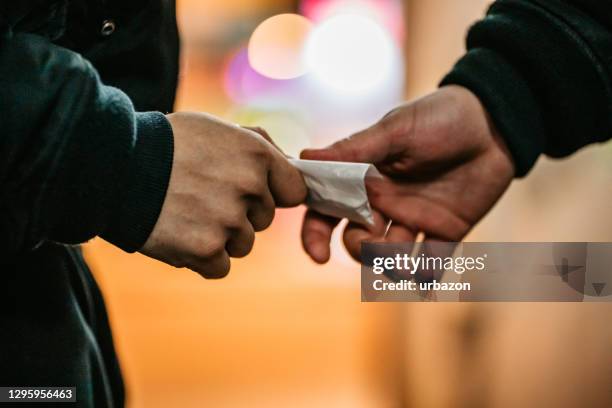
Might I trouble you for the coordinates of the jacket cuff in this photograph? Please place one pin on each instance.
(509, 101)
(148, 175)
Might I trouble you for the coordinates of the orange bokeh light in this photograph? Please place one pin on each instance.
(276, 46)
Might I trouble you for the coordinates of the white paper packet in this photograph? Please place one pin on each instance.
(338, 188)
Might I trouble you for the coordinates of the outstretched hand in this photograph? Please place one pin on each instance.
(445, 166)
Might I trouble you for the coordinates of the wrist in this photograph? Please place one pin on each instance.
(509, 101)
(474, 110)
(148, 176)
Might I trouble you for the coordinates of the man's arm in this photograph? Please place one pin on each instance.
(543, 70)
(76, 160)
(536, 79)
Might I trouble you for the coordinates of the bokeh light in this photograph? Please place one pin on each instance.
(276, 46)
(387, 13)
(248, 88)
(242, 83)
(350, 53)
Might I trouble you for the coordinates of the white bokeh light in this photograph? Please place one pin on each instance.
(350, 53)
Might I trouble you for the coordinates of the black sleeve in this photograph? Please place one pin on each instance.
(543, 70)
(76, 160)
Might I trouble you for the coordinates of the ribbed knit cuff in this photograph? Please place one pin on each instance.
(148, 175)
(509, 101)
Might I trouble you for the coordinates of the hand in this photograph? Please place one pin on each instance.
(445, 167)
(225, 184)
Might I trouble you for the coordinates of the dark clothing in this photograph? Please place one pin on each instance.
(543, 70)
(53, 327)
(77, 161)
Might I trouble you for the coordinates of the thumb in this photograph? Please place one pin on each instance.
(371, 145)
(263, 133)
(285, 181)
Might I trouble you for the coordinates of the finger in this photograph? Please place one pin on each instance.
(418, 214)
(263, 133)
(241, 240)
(286, 182)
(399, 233)
(316, 235)
(261, 211)
(355, 234)
(396, 232)
(215, 267)
(372, 145)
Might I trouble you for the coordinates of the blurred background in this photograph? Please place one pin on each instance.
(280, 331)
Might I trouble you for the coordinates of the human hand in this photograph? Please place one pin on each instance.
(445, 167)
(225, 184)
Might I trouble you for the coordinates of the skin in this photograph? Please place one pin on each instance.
(445, 166)
(225, 184)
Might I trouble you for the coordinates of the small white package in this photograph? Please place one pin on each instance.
(338, 188)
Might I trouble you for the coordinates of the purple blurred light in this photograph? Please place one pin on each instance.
(241, 81)
(387, 12)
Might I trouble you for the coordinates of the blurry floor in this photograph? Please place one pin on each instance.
(276, 332)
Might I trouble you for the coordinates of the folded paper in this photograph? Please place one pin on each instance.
(338, 188)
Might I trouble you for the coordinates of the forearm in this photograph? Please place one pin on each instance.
(70, 149)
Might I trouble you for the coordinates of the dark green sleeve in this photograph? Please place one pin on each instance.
(543, 70)
(76, 160)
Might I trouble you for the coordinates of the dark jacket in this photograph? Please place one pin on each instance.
(84, 151)
(543, 69)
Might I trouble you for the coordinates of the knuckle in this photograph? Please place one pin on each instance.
(254, 184)
(263, 218)
(209, 272)
(268, 208)
(260, 151)
(212, 268)
(214, 248)
(386, 126)
(242, 241)
(243, 250)
(218, 271)
(210, 247)
(249, 240)
(267, 219)
(221, 271)
(235, 220)
(247, 237)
